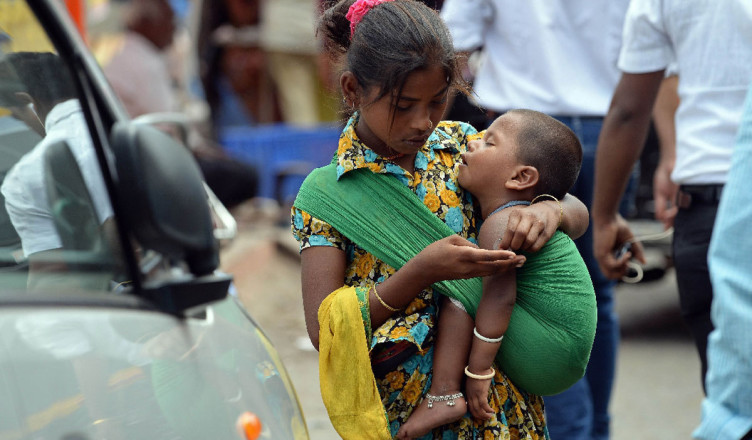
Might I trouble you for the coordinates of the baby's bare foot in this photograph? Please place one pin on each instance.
(435, 410)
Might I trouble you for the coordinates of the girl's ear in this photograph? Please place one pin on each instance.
(524, 177)
(349, 88)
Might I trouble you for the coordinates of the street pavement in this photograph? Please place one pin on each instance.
(657, 393)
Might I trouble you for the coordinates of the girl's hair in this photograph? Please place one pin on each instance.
(392, 40)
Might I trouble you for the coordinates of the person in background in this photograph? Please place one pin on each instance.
(232, 64)
(53, 108)
(714, 64)
(291, 52)
(136, 67)
(664, 112)
(134, 61)
(727, 409)
(557, 57)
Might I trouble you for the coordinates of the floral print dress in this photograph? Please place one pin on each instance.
(518, 415)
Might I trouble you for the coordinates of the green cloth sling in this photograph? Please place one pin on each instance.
(384, 217)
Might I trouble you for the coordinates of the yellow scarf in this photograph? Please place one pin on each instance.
(348, 386)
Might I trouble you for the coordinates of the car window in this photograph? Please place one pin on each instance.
(56, 220)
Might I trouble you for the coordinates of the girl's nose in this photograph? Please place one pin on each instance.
(421, 120)
(472, 145)
(425, 124)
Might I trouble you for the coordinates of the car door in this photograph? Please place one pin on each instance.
(113, 320)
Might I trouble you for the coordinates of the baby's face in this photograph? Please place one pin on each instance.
(490, 161)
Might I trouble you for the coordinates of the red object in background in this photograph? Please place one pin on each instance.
(77, 11)
(249, 425)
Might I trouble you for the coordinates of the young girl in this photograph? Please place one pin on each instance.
(370, 311)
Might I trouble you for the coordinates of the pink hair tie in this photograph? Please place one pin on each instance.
(359, 9)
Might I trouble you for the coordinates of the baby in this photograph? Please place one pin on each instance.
(524, 156)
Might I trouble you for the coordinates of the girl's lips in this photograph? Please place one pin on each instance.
(420, 141)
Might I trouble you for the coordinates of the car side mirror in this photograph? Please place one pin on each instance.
(161, 190)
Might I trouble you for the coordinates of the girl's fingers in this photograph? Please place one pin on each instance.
(486, 255)
(499, 255)
(518, 260)
(456, 240)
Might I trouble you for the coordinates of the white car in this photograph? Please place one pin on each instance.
(114, 322)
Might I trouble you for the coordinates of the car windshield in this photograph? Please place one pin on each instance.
(56, 220)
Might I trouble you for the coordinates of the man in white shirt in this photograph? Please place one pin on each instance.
(56, 106)
(711, 43)
(557, 57)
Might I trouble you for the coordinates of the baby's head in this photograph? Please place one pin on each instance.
(524, 153)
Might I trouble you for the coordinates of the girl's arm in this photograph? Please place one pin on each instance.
(530, 227)
(323, 271)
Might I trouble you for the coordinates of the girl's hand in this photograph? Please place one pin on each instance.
(530, 227)
(454, 257)
(477, 398)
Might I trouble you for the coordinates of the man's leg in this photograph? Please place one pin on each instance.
(569, 414)
(693, 228)
(583, 410)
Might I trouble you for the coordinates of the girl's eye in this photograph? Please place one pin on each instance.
(402, 108)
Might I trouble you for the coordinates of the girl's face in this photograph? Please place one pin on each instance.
(416, 113)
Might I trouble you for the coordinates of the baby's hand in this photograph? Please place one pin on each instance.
(530, 227)
(477, 398)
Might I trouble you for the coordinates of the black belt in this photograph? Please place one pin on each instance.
(689, 195)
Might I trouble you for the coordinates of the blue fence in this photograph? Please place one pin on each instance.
(282, 154)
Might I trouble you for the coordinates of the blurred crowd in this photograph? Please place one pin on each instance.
(227, 62)
(215, 66)
(237, 62)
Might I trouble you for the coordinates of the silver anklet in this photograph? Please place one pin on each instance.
(448, 398)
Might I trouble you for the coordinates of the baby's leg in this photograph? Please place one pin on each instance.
(451, 349)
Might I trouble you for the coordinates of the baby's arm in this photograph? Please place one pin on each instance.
(491, 322)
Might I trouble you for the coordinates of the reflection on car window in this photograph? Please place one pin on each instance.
(56, 216)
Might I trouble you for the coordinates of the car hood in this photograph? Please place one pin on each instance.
(97, 372)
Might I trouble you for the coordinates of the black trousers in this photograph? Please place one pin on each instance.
(693, 228)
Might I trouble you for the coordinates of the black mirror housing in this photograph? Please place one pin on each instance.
(161, 190)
